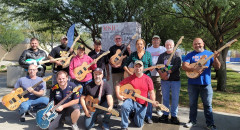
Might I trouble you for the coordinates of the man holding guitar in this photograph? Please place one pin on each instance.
(103, 62)
(144, 83)
(33, 53)
(36, 96)
(70, 106)
(202, 84)
(170, 81)
(102, 91)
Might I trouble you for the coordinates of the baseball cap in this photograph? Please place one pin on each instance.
(81, 47)
(155, 36)
(138, 62)
(97, 42)
(98, 70)
(64, 37)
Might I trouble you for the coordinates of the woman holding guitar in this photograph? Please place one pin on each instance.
(146, 58)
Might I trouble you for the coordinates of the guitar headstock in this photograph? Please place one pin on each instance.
(107, 52)
(76, 89)
(230, 43)
(163, 108)
(47, 78)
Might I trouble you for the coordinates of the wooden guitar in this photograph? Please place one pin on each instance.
(92, 103)
(125, 75)
(118, 57)
(203, 61)
(80, 72)
(168, 66)
(66, 62)
(46, 115)
(128, 91)
(13, 100)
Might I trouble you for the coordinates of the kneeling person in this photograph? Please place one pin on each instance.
(144, 83)
(98, 89)
(70, 107)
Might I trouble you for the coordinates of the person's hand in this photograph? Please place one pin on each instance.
(155, 103)
(199, 69)
(94, 61)
(216, 54)
(115, 66)
(87, 114)
(164, 76)
(30, 90)
(58, 63)
(120, 97)
(130, 73)
(60, 108)
(110, 108)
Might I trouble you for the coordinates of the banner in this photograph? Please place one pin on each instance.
(70, 35)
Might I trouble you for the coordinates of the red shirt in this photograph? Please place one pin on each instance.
(144, 84)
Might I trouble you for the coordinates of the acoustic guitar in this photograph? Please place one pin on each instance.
(202, 61)
(92, 103)
(46, 115)
(168, 66)
(128, 91)
(125, 75)
(66, 62)
(80, 72)
(118, 57)
(13, 100)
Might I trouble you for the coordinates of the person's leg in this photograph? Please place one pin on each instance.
(165, 92)
(206, 94)
(55, 123)
(175, 88)
(24, 107)
(139, 115)
(193, 92)
(125, 110)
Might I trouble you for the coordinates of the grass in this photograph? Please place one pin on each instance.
(228, 101)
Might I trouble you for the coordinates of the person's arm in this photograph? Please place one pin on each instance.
(110, 102)
(71, 68)
(126, 63)
(82, 100)
(176, 64)
(58, 63)
(216, 62)
(22, 60)
(120, 97)
(108, 72)
(72, 102)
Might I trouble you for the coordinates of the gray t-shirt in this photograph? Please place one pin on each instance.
(26, 82)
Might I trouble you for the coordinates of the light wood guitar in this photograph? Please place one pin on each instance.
(80, 72)
(203, 61)
(128, 91)
(46, 115)
(168, 66)
(66, 62)
(118, 57)
(126, 74)
(92, 103)
(13, 100)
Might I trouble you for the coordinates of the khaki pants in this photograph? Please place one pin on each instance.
(157, 86)
(116, 78)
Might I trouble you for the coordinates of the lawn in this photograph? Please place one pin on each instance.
(222, 101)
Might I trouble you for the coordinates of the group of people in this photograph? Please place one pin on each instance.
(155, 84)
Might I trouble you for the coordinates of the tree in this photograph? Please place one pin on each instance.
(219, 17)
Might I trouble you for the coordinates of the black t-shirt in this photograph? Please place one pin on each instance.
(113, 50)
(93, 90)
(57, 94)
(101, 63)
(56, 53)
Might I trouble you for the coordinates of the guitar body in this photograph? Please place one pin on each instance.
(66, 62)
(81, 71)
(194, 74)
(128, 91)
(45, 116)
(89, 103)
(117, 59)
(13, 100)
(125, 74)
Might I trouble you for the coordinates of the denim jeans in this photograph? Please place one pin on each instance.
(25, 106)
(81, 90)
(174, 86)
(149, 110)
(140, 111)
(206, 93)
(90, 121)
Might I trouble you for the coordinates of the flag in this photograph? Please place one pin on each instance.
(70, 35)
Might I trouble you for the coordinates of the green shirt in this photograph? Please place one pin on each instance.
(146, 59)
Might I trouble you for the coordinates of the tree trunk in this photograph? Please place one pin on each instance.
(222, 72)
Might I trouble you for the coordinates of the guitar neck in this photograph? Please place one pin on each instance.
(62, 101)
(105, 109)
(105, 53)
(153, 67)
(26, 92)
(46, 61)
(77, 38)
(143, 98)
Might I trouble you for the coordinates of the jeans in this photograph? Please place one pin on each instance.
(81, 90)
(90, 121)
(149, 110)
(128, 106)
(25, 106)
(206, 93)
(174, 86)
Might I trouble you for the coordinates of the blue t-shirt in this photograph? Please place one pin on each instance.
(26, 82)
(205, 77)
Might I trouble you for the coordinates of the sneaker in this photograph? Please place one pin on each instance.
(22, 118)
(148, 120)
(212, 127)
(75, 127)
(159, 113)
(174, 120)
(163, 119)
(190, 124)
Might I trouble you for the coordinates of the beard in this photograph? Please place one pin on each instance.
(63, 46)
(170, 49)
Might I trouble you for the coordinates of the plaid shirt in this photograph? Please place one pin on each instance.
(146, 59)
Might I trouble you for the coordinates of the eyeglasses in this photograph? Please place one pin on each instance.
(118, 38)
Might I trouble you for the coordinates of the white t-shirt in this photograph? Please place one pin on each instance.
(155, 52)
